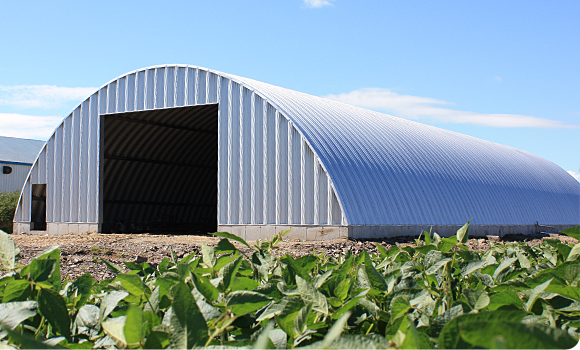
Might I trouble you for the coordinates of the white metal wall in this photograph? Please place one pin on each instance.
(13, 181)
(268, 172)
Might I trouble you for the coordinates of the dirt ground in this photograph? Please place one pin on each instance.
(82, 253)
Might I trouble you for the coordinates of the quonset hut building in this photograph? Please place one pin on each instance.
(182, 146)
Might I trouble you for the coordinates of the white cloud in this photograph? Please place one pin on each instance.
(415, 107)
(41, 96)
(28, 126)
(317, 3)
(575, 175)
(497, 79)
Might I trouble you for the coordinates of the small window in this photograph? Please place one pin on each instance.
(6, 169)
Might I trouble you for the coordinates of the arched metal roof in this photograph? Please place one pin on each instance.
(392, 171)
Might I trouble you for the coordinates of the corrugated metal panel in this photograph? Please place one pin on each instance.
(391, 171)
(290, 158)
(19, 150)
(15, 180)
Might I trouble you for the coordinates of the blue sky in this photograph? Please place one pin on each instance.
(504, 71)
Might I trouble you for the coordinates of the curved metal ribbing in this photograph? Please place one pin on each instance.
(290, 158)
(391, 171)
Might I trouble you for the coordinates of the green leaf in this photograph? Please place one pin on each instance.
(427, 237)
(436, 266)
(205, 287)
(243, 283)
(572, 232)
(374, 278)
(12, 314)
(341, 290)
(450, 314)
(463, 233)
(287, 305)
(183, 271)
(447, 243)
(504, 298)
(285, 318)
(415, 339)
(505, 263)
(310, 294)
(84, 285)
(263, 341)
(244, 302)
(133, 328)
(8, 251)
(501, 330)
(335, 331)
(187, 325)
(53, 307)
(574, 253)
(382, 251)
(229, 271)
(208, 255)
(225, 246)
(477, 299)
(132, 284)
(110, 301)
(295, 266)
(425, 249)
(473, 266)
(307, 262)
(301, 319)
(347, 306)
(116, 269)
(516, 335)
(17, 290)
(224, 260)
(157, 340)
(25, 341)
(52, 253)
(399, 307)
(232, 236)
(450, 336)
(535, 293)
(87, 321)
(115, 328)
(523, 260)
(173, 255)
(358, 341)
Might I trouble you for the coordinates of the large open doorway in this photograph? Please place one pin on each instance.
(160, 170)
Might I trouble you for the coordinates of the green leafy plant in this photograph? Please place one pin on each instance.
(8, 202)
(435, 294)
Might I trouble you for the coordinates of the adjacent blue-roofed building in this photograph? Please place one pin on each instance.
(180, 147)
(16, 158)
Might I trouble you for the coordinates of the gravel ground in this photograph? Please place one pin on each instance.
(82, 253)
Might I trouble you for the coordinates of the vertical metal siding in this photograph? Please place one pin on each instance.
(15, 180)
(257, 160)
(169, 87)
(75, 157)
(246, 155)
(223, 144)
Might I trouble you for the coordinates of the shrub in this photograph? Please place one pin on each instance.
(8, 202)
